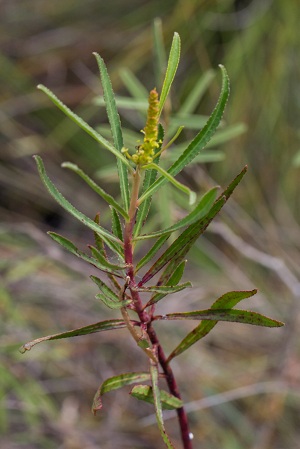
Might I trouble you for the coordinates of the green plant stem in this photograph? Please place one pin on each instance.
(145, 317)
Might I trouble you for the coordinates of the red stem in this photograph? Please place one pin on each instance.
(144, 316)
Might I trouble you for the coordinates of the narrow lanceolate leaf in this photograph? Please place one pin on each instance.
(149, 178)
(165, 289)
(91, 329)
(98, 255)
(179, 248)
(145, 393)
(116, 224)
(116, 129)
(151, 253)
(83, 125)
(114, 383)
(105, 289)
(232, 315)
(201, 139)
(158, 406)
(106, 235)
(171, 70)
(108, 198)
(182, 187)
(111, 304)
(173, 279)
(67, 244)
(98, 240)
(134, 86)
(226, 301)
(202, 209)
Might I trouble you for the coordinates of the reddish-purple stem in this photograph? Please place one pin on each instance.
(144, 316)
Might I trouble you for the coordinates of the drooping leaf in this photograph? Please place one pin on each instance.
(82, 124)
(145, 393)
(158, 406)
(173, 279)
(232, 315)
(179, 248)
(151, 253)
(201, 139)
(92, 328)
(170, 178)
(202, 208)
(67, 244)
(173, 62)
(108, 198)
(149, 178)
(116, 128)
(114, 383)
(106, 235)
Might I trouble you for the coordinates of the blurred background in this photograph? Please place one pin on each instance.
(241, 383)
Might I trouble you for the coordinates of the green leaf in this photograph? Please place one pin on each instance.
(165, 289)
(114, 383)
(108, 198)
(232, 315)
(106, 235)
(171, 70)
(203, 207)
(200, 141)
(145, 393)
(116, 224)
(98, 255)
(229, 133)
(98, 240)
(149, 178)
(67, 244)
(151, 253)
(83, 125)
(105, 289)
(92, 328)
(179, 248)
(107, 296)
(226, 301)
(172, 279)
(182, 187)
(116, 129)
(158, 406)
(126, 103)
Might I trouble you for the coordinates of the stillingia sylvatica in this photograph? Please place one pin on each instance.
(141, 175)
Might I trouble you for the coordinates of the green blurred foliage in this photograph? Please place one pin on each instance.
(45, 396)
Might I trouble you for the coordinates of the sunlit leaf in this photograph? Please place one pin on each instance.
(114, 383)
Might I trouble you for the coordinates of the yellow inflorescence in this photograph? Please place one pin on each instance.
(146, 151)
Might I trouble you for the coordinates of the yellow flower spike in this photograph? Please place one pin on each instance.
(146, 151)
